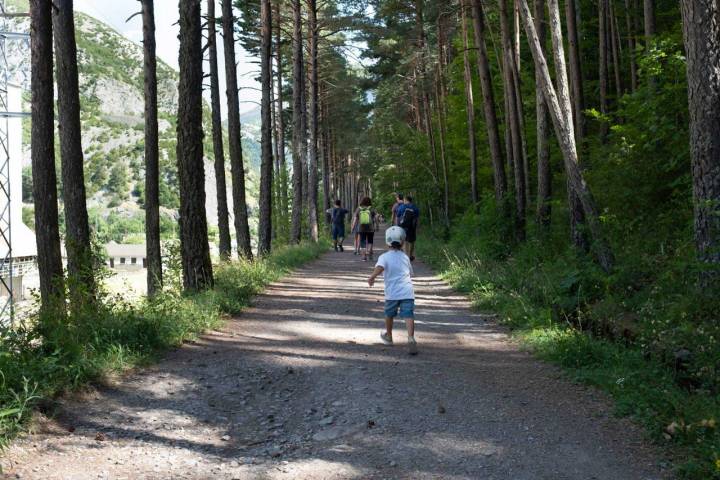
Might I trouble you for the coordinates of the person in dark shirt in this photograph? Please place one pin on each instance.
(337, 216)
(408, 218)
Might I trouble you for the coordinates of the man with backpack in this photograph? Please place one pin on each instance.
(337, 217)
(365, 219)
(408, 215)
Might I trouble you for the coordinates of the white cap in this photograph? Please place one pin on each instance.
(394, 234)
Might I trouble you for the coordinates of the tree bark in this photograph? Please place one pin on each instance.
(325, 154)
(280, 121)
(561, 114)
(194, 249)
(544, 172)
(266, 160)
(649, 18)
(237, 168)
(152, 153)
(314, 114)
(629, 25)
(603, 66)
(77, 231)
(47, 230)
(298, 135)
(701, 32)
(517, 82)
(469, 107)
(442, 114)
(512, 119)
(491, 122)
(575, 70)
(225, 245)
(615, 43)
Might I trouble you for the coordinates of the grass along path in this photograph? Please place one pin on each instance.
(682, 420)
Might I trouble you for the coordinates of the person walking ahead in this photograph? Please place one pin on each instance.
(365, 219)
(398, 201)
(408, 215)
(337, 215)
(395, 267)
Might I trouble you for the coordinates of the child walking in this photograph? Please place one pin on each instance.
(395, 267)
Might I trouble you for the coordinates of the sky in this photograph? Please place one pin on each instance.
(116, 12)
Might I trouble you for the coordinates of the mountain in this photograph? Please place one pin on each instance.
(112, 110)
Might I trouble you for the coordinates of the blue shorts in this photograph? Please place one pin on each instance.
(338, 231)
(400, 308)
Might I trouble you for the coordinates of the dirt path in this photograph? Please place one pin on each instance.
(300, 387)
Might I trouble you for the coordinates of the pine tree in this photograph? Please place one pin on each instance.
(47, 231)
(266, 162)
(237, 169)
(77, 239)
(224, 243)
(152, 153)
(194, 248)
(701, 32)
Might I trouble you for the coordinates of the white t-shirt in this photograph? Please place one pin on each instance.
(397, 273)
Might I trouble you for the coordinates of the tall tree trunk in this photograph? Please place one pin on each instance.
(514, 123)
(701, 32)
(152, 153)
(314, 115)
(225, 245)
(615, 43)
(603, 65)
(325, 153)
(442, 115)
(237, 168)
(42, 139)
(77, 238)
(491, 122)
(282, 167)
(578, 106)
(544, 172)
(629, 25)
(194, 248)
(298, 135)
(266, 159)
(649, 18)
(517, 80)
(469, 107)
(561, 114)
(421, 69)
(575, 70)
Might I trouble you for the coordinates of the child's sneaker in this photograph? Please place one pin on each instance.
(386, 339)
(341, 248)
(412, 346)
(336, 248)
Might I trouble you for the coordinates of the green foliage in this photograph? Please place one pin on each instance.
(646, 334)
(28, 217)
(52, 353)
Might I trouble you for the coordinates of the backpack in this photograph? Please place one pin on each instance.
(409, 219)
(365, 216)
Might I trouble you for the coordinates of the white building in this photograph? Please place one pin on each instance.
(22, 239)
(126, 256)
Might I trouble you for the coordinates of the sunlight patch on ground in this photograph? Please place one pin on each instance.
(315, 468)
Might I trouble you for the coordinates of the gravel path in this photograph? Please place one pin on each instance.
(300, 387)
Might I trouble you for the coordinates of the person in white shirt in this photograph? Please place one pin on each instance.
(394, 265)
